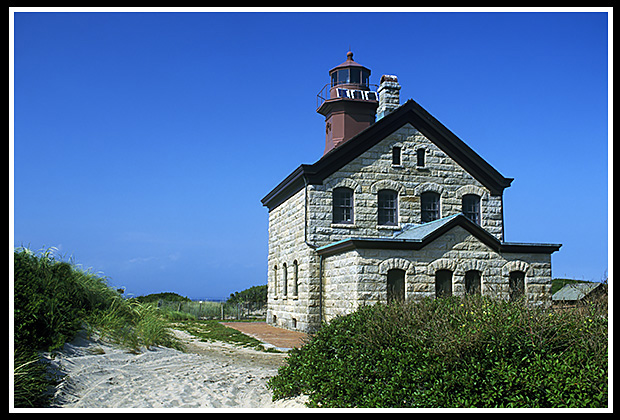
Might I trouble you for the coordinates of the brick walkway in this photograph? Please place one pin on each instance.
(278, 337)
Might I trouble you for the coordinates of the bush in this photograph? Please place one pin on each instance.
(256, 295)
(453, 352)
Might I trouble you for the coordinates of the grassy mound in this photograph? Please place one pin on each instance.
(53, 300)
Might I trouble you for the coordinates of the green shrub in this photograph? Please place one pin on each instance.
(453, 352)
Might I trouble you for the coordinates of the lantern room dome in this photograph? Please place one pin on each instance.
(348, 63)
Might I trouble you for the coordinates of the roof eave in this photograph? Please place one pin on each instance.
(415, 244)
(410, 112)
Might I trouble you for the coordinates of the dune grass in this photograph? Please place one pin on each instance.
(53, 300)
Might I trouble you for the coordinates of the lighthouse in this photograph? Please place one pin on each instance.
(347, 103)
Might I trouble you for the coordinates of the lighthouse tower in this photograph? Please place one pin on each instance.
(350, 105)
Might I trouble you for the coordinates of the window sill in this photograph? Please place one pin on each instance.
(344, 225)
(389, 227)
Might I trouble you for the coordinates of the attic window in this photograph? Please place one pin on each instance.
(421, 155)
(396, 156)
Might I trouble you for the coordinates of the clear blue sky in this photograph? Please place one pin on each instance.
(143, 142)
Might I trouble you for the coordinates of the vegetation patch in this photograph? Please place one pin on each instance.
(453, 352)
(211, 330)
(53, 300)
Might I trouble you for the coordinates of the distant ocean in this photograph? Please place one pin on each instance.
(209, 299)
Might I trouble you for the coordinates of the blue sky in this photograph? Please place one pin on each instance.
(143, 142)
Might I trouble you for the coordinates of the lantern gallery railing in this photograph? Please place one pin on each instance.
(342, 92)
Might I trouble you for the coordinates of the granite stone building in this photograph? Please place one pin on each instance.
(397, 208)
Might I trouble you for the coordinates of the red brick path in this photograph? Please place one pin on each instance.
(279, 337)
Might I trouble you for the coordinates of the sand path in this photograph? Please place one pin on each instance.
(207, 375)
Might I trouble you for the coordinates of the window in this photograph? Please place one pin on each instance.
(396, 155)
(343, 76)
(388, 202)
(365, 77)
(472, 282)
(430, 206)
(396, 285)
(350, 75)
(516, 285)
(295, 278)
(421, 155)
(284, 280)
(275, 281)
(443, 283)
(355, 76)
(471, 207)
(342, 202)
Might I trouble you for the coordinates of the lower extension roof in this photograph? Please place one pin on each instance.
(418, 236)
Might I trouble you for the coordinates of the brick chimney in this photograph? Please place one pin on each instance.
(389, 98)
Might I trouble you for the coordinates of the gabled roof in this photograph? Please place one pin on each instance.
(410, 112)
(417, 237)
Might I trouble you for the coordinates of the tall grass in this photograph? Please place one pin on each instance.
(53, 300)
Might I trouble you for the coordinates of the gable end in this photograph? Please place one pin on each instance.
(410, 112)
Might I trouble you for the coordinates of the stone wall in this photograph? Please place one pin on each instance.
(359, 277)
(292, 259)
(373, 171)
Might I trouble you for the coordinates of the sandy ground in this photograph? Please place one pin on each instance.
(207, 375)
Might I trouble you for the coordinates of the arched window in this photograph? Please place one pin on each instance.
(430, 206)
(516, 285)
(342, 202)
(471, 207)
(275, 280)
(295, 278)
(388, 208)
(284, 280)
(473, 284)
(443, 283)
(395, 285)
